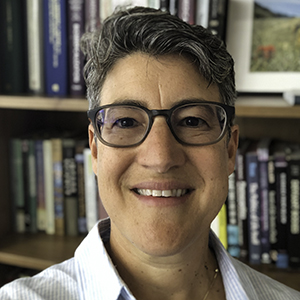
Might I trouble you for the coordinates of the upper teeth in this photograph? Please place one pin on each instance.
(162, 193)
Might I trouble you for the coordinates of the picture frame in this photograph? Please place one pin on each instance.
(240, 22)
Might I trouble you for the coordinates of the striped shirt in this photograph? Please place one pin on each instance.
(91, 275)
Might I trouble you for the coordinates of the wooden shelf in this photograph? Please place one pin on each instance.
(259, 107)
(266, 107)
(36, 251)
(43, 103)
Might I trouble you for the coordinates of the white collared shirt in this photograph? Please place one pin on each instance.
(90, 275)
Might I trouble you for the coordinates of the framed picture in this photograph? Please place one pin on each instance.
(263, 36)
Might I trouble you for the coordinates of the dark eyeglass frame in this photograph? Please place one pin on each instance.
(167, 113)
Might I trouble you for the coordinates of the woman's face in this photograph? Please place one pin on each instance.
(155, 224)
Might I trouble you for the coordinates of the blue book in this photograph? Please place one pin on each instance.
(263, 160)
(253, 199)
(56, 52)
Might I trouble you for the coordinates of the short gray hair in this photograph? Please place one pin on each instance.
(156, 33)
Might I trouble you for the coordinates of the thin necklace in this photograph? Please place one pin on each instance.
(212, 283)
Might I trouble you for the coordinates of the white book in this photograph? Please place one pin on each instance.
(91, 205)
(49, 187)
(202, 13)
(34, 11)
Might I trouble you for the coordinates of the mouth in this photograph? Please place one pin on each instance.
(174, 193)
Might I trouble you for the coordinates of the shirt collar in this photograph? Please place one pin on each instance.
(231, 279)
(97, 276)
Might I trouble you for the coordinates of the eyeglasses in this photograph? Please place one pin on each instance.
(195, 124)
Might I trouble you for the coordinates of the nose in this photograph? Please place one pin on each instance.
(160, 151)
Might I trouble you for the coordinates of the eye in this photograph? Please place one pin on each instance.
(125, 123)
(192, 122)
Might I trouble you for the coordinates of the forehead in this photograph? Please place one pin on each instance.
(156, 82)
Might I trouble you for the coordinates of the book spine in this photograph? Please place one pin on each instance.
(164, 5)
(202, 12)
(294, 212)
(232, 218)
(35, 47)
(217, 17)
(13, 53)
(282, 215)
(32, 188)
(263, 157)
(82, 228)
(186, 11)
(55, 43)
(76, 57)
(17, 186)
(93, 13)
(223, 226)
(25, 170)
(49, 187)
(70, 187)
(58, 186)
(40, 184)
(241, 198)
(156, 3)
(253, 200)
(90, 191)
(273, 236)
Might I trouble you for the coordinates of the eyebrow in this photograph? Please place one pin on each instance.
(141, 103)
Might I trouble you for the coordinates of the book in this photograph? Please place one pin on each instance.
(76, 58)
(219, 226)
(173, 7)
(40, 185)
(35, 46)
(93, 13)
(223, 226)
(263, 160)
(17, 186)
(25, 170)
(186, 11)
(55, 45)
(253, 201)
(202, 12)
(57, 161)
(156, 4)
(273, 234)
(13, 56)
(164, 5)
(49, 186)
(29, 181)
(293, 161)
(241, 198)
(232, 218)
(217, 17)
(90, 191)
(70, 187)
(280, 165)
(79, 158)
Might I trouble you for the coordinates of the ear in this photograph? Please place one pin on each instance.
(232, 148)
(93, 147)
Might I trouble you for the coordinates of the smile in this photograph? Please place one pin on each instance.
(162, 193)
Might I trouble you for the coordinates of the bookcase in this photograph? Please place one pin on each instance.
(21, 115)
(257, 117)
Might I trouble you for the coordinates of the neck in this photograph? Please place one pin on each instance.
(186, 275)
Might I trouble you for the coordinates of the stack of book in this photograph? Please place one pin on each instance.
(54, 189)
(263, 204)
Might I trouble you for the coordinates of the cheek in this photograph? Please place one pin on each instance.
(112, 167)
(212, 169)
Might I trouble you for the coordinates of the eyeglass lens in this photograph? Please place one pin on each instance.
(194, 124)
